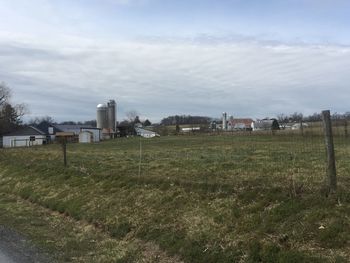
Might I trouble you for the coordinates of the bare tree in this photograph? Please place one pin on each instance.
(131, 115)
(282, 120)
(296, 117)
(10, 115)
(38, 120)
(21, 109)
(5, 94)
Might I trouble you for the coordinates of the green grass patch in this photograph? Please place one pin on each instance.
(196, 198)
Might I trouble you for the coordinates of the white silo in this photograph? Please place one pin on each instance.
(102, 116)
(111, 115)
(224, 121)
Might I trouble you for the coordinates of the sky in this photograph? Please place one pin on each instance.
(249, 58)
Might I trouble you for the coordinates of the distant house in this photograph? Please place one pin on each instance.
(265, 125)
(24, 137)
(245, 124)
(145, 133)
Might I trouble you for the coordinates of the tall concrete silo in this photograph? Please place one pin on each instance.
(111, 115)
(102, 120)
(224, 121)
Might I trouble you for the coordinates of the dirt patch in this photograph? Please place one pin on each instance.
(152, 253)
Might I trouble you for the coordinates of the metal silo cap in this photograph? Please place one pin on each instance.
(101, 106)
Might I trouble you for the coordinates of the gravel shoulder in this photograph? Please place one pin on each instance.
(14, 248)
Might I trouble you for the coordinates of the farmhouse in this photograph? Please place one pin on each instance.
(24, 137)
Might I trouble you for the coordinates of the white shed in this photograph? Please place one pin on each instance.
(24, 137)
(86, 137)
(96, 133)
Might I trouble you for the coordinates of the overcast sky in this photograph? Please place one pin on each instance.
(164, 57)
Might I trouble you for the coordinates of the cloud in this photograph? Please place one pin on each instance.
(247, 78)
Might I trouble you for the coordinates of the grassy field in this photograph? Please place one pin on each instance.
(187, 199)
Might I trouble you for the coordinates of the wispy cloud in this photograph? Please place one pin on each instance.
(159, 78)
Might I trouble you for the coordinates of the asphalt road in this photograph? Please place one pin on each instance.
(14, 248)
(4, 258)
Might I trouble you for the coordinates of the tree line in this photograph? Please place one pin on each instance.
(48, 119)
(315, 117)
(185, 119)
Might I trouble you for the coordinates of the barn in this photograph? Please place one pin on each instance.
(24, 137)
(245, 124)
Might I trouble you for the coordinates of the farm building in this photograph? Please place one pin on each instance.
(52, 130)
(66, 136)
(77, 129)
(191, 129)
(48, 129)
(145, 133)
(106, 119)
(265, 125)
(24, 137)
(96, 133)
(241, 124)
(86, 137)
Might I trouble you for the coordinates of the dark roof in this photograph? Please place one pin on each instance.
(64, 127)
(71, 128)
(44, 127)
(25, 131)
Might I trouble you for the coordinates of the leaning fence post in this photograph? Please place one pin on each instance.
(331, 169)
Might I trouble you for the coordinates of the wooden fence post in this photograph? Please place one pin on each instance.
(301, 128)
(331, 169)
(64, 150)
(346, 128)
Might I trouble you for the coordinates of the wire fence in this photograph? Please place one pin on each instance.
(215, 162)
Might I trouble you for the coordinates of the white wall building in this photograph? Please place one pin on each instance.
(24, 137)
(145, 133)
(96, 133)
